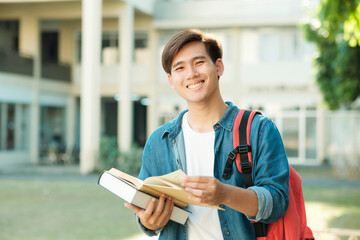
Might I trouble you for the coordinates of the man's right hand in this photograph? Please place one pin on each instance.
(154, 216)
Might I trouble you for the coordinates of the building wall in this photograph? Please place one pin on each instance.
(67, 40)
(267, 64)
(47, 98)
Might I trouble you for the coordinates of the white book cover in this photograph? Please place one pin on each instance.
(129, 193)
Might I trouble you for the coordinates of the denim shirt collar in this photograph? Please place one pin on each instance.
(228, 119)
(226, 122)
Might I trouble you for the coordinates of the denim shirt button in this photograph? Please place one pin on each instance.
(221, 205)
(227, 232)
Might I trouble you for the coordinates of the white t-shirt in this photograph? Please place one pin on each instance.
(203, 222)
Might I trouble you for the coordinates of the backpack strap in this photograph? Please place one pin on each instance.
(242, 149)
(242, 156)
(244, 159)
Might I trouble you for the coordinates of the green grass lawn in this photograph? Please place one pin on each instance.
(80, 209)
(333, 207)
(33, 209)
(330, 204)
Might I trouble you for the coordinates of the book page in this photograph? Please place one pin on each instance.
(170, 185)
(179, 195)
(174, 177)
(158, 181)
(156, 191)
(126, 177)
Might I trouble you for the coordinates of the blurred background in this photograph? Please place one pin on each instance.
(82, 88)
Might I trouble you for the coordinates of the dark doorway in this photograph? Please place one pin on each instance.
(140, 117)
(49, 47)
(110, 118)
(51, 67)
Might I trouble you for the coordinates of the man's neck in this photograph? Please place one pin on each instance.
(202, 116)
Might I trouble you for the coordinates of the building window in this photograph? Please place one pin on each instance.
(291, 136)
(141, 40)
(269, 47)
(52, 132)
(49, 47)
(9, 31)
(10, 127)
(109, 48)
(51, 68)
(109, 39)
(278, 46)
(289, 46)
(10, 59)
(24, 126)
(14, 126)
(310, 143)
(110, 45)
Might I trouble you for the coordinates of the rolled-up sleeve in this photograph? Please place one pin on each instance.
(265, 203)
(270, 172)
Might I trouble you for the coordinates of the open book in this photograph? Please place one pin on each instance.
(169, 184)
(128, 192)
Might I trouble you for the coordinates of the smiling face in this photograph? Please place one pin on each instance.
(194, 75)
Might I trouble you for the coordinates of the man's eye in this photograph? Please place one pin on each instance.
(199, 62)
(178, 68)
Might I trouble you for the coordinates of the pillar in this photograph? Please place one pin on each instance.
(152, 109)
(126, 37)
(90, 84)
(70, 123)
(29, 45)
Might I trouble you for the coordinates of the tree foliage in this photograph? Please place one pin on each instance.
(335, 31)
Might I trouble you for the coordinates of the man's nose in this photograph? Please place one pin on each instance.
(192, 72)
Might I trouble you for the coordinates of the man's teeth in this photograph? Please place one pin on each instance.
(194, 85)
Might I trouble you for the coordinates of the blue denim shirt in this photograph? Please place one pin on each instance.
(164, 152)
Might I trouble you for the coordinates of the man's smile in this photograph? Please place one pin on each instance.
(195, 85)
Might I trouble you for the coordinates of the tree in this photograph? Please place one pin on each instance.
(335, 31)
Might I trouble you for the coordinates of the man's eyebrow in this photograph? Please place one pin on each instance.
(176, 64)
(193, 59)
(199, 57)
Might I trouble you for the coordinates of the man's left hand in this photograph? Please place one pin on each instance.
(204, 189)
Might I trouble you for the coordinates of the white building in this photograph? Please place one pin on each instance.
(73, 70)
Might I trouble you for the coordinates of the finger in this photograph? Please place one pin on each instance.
(166, 213)
(196, 185)
(202, 179)
(159, 207)
(134, 208)
(146, 215)
(197, 192)
(197, 199)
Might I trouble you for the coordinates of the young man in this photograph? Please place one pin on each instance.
(198, 142)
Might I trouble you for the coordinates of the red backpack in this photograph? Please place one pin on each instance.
(292, 226)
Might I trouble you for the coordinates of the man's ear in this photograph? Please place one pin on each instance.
(170, 81)
(219, 67)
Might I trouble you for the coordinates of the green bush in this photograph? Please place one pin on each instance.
(108, 153)
(130, 161)
(110, 156)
